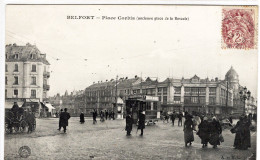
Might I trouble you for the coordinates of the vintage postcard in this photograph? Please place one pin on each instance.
(131, 82)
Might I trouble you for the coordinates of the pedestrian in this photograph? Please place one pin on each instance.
(82, 119)
(15, 110)
(230, 120)
(246, 139)
(94, 114)
(173, 116)
(238, 129)
(196, 122)
(113, 115)
(180, 119)
(59, 119)
(188, 130)
(141, 122)
(215, 131)
(129, 124)
(64, 119)
(203, 132)
(102, 116)
(30, 120)
(106, 113)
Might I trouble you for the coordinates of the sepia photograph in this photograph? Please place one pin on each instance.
(130, 82)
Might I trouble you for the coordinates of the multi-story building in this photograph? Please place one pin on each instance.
(250, 106)
(26, 76)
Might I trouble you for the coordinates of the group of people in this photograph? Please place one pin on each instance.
(210, 131)
(172, 117)
(103, 115)
(64, 120)
(130, 122)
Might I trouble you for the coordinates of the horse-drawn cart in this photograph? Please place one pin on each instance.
(19, 121)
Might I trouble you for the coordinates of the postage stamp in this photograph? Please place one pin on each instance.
(239, 28)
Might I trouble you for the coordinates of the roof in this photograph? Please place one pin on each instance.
(231, 74)
(27, 53)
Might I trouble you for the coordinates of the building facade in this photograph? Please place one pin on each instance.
(26, 75)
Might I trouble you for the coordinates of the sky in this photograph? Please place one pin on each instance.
(96, 50)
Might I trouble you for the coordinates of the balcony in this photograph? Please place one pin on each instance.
(46, 74)
(46, 87)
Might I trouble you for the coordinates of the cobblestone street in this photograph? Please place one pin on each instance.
(108, 140)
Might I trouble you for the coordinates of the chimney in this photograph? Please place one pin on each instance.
(126, 77)
(93, 82)
(216, 79)
(135, 76)
(106, 80)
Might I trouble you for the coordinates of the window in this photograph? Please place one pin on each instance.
(194, 90)
(177, 90)
(212, 91)
(33, 68)
(177, 99)
(212, 100)
(16, 80)
(164, 99)
(16, 68)
(202, 100)
(6, 93)
(16, 56)
(194, 99)
(202, 91)
(165, 91)
(33, 80)
(6, 80)
(16, 92)
(187, 100)
(33, 93)
(6, 68)
(187, 90)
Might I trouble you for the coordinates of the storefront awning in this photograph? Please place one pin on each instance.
(9, 105)
(49, 106)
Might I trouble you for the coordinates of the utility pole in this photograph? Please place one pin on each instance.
(116, 93)
(227, 99)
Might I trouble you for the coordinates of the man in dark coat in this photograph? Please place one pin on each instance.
(30, 118)
(180, 119)
(141, 122)
(173, 116)
(64, 119)
(59, 119)
(129, 124)
(113, 115)
(15, 110)
(94, 116)
(82, 119)
(106, 114)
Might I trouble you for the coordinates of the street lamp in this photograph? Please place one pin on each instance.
(244, 95)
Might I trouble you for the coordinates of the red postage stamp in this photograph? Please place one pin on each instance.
(239, 28)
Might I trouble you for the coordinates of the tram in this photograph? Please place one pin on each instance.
(149, 104)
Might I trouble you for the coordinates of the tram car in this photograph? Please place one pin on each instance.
(19, 120)
(149, 104)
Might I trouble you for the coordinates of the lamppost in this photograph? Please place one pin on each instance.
(244, 95)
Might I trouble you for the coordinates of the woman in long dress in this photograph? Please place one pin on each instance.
(188, 130)
(203, 132)
(215, 131)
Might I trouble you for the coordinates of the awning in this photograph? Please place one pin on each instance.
(49, 106)
(9, 105)
(119, 101)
